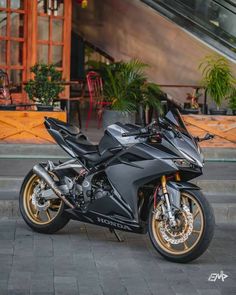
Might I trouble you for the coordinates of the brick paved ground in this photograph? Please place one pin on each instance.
(88, 260)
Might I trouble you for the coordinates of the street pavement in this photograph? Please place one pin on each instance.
(87, 260)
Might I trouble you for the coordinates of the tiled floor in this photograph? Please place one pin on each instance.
(85, 259)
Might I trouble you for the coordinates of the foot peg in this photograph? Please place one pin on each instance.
(119, 238)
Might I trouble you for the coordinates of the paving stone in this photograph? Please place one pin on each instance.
(43, 246)
(228, 291)
(64, 266)
(24, 246)
(43, 265)
(3, 285)
(18, 292)
(113, 286)
(136, 286)
(7, 234)
(91, 290)
(43, 282)
(94, 263)
(65, 285)
(209, 292)
(6, 247)
(19, 280)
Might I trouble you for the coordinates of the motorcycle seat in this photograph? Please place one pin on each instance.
(72, 130)
(83, 148)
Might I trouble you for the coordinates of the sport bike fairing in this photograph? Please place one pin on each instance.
(128, 162)
(134, 180)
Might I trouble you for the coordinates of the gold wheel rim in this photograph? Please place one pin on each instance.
(196, 234)
(36, 216)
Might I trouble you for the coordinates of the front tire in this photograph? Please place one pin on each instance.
(195, 232)
(46, 221)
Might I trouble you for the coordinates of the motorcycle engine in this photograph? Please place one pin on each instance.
(100, 187)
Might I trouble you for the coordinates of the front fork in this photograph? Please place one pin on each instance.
(167, 198)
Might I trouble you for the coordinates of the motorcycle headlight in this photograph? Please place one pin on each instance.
(183, 163)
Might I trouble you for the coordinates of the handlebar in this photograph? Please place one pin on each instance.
(130, 134)
(147, 131)
(139, 132)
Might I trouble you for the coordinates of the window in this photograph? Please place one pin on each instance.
(50, 41)
(12, 40)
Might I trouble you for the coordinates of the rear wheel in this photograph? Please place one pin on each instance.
(192, 234)
(44, 216)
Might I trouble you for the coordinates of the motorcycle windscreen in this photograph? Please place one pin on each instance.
(186, 143)
(174, 118)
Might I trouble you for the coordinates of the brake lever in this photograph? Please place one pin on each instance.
(208, 136)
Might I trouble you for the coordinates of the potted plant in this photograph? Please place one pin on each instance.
(232, 101)
(218, 79)
(127, 90)
(122, 82)
(45, 87)
(149, 101)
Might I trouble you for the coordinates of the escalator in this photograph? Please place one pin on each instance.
(171, 36)
(214, 22)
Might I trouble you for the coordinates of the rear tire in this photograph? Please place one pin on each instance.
(34, 218)
(182, 255)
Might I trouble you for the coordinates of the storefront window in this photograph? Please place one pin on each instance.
(3, 3)
(3, 23)
(50, 32)
(43, 28)
(16, 53)
(17, 77)
(17, 4)
(42, 53)
(17, 25)
(12, 22)
(3, 51)
(57, 56)
(51, 7)
(57, 30)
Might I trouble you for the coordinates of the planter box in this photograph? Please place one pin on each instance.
(223, 127)
(26, 126)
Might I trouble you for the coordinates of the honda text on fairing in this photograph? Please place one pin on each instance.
(135, 180)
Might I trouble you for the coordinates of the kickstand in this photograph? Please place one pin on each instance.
(112, 230)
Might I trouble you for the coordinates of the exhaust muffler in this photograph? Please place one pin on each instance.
(41, 172)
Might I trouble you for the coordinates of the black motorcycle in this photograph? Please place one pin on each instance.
(134, 180)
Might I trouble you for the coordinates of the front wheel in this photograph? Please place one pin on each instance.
(193, 232)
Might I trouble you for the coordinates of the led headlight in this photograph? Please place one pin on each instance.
(183, 163)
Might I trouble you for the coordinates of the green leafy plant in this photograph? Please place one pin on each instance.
(126, 86)
(45, 87)
(232, 99)
(150, 93)
(217, 78)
